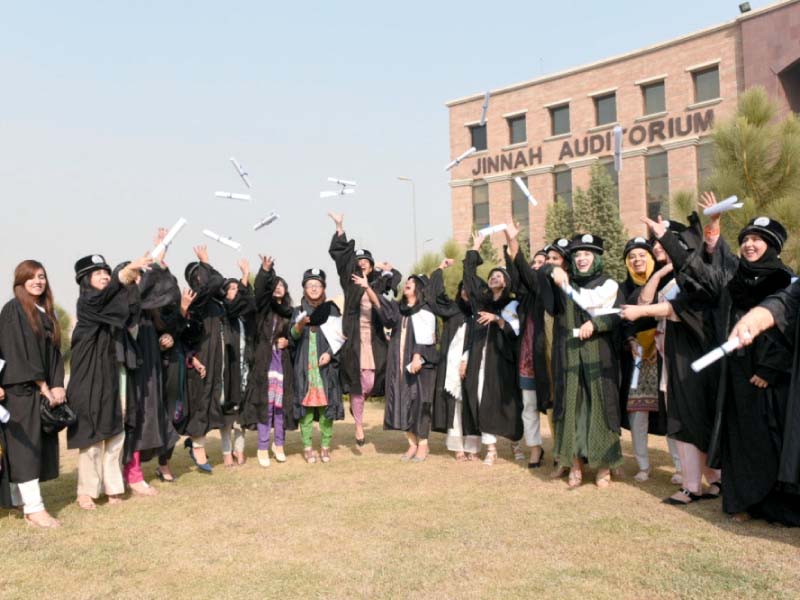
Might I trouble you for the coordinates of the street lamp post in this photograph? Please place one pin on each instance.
(413, 211)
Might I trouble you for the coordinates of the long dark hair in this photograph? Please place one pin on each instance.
(25, 271)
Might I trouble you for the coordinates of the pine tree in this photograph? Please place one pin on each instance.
(65, 325)
(559, 221)
(602, 218)
(757, 158)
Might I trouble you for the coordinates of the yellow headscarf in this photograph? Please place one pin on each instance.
(646, 339)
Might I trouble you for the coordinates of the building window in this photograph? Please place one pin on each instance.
(520, 207)
(654, 98)
(657, 185)
(563, 186)
(706, 84)
(478, 135)
(516, 130)
(480, 204)
(605, 108)
(559, 119)
(614, 176)
(705, 163)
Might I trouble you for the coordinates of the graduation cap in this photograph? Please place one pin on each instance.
(485, 108)
(242, 173)
(345, 188)
(89, 264)
(458, 159)
(361, 253)
(561, 245)
(637, 242)
(230, 196)
(769, 230)
(225, 241)
(316, 274)
(586, 241)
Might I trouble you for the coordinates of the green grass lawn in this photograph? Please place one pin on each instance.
(368, 526)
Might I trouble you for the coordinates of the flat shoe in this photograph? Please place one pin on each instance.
(683, 492)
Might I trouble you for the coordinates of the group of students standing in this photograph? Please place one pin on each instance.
(554, 337)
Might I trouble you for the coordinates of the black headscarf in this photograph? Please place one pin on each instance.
(754, 281)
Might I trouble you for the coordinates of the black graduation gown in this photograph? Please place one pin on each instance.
(152, 428)
(747, 437)
(535, 295)
(500, 410)
(785, 309)
(272, 321)
(342, 251)
(28, 452)
(238, 323)
(93, 390)
(408, 396)
(329, 373)
(690, 396)
(204, 396)
(186, 335)
(454, 314)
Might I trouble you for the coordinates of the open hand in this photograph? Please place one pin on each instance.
(201, 252)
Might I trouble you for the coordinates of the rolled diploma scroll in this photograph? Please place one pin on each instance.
(726, 205)
(271, 218)
(618, 148)
(242, 197)
(525, 190)
(637, 367)
(242, 173)
(452, 164)
(222, 240)
(485, 108)
(493, 229)
(713, 356)
(164, 244)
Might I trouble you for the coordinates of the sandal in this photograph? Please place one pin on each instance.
(86, 503)
(409, 454)
(603, 478)
(309, 455)
(714, 491)
(325, 455)
(491, 456)
(516, 449)
(682, 497)
(460, 457)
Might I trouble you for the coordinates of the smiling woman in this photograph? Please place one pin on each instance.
(34, 372)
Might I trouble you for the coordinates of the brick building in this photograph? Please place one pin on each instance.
(551, 130)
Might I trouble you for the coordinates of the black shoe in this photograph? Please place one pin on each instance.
(161, 477)
(360, 441)
(538, 463)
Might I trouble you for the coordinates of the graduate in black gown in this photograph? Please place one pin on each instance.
(99, 376)
(781, 311)
(754, 383)
(268, 399)
(411, 363)
(449, 409)
(363, 356)
(33, 373)
(151, 427)
(492, 382)
(535, 296)
(238, 332)
(204, 376)
(316, 340)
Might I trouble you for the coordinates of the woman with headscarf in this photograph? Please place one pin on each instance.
(205, 360)
(316, 337)
(268, 399)
(30, 346)
(754, 384)
(99, 377)
(410, 365)
(450, 414)
(492, 384)
(585, 364)
(363, 356)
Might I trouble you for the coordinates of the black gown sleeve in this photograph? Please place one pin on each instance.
(343, 253)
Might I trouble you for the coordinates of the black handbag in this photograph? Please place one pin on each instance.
(56, 418)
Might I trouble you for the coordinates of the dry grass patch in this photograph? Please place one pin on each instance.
(367, 525)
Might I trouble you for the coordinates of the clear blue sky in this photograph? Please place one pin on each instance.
(118, 117)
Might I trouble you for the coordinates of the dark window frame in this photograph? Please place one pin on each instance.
(566, 197)
(482, 185)
(472, 132)
(597, 108)
(649, 86)
(660, 205)
(517, 119)
(553, 110)
(695, 78)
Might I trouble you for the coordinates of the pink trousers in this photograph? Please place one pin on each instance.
(693, 467)
(132, 472)
(357, 400)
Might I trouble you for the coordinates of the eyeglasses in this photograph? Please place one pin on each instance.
(314, 286)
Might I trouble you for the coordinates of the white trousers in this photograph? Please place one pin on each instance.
(232, 427)
(530, 419)
(28, 495)
(100, 468)
(456, 440)
(639, 423)
(486, 438)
